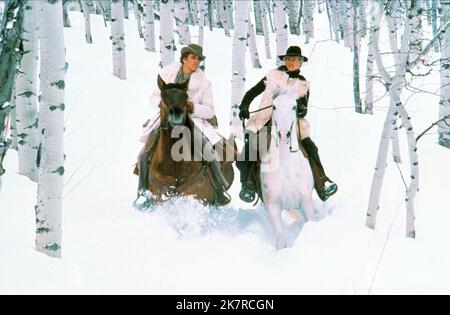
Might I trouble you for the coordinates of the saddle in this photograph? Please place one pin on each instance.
(254, 177)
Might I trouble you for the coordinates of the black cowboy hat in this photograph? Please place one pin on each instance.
(193, 49)
(294, 51)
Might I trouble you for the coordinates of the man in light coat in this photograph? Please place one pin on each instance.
(293, 60)
(200, 94)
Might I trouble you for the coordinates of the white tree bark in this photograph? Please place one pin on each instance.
(13, 119)
(416, 44)
(257, 4)
(362, 20)
(280, 28)
(370, 60)
(65, 14)
(444, 103)
(223, 15)
(87, 22)
(334, 20)
(202, 18)
(182, 21)
(308, 21)
(265, 28)
(356, 52)
(395, 109)
(51, 117)
(229, 8)
(238, 65)
(118, 40)
(27, 96)
(252, 45)
(167, 43)
(149, 26)
(137, 16)
(293, 11)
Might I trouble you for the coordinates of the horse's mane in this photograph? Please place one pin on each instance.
(170, 86)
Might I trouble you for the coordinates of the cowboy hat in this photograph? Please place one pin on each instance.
(193, 49)
(294, 51)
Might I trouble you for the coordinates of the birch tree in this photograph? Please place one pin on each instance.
(118, 40)
(396, 109)
(137, 15)
(265, 28)
(258, 16)
(182, 22)
(280, 28)
(167, 43)
(87, 22)
(370, 60)
(13, 120)
(149, 26)
(26, 96)
(10, 55)
(51, 117)
(444, 103)
(252, 45)
(292, 11)
(202, 16)
(356, 48)
(333, 17)
(66, 14)
(238, 65)
(223, 17)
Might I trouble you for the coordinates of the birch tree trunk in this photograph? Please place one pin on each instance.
(416, 44)
(10, 55)
(202, 16)
(356, 48)
(281, 29)
(167, 44)
(265, 28)
(396, 107)
(182, 22)
(118, 40)
(26, 96)
(51, 117)
(257, 4)
(292, 11)
(66, 14)
(126, 11)
(370, 60)
(211, 20)
(444, 103)
(434, 19)
(149, 26)
(137, 15)
(223, 15)
(238, 65)
(252, 45)
(13, 119)
(87, 22)
(229, 8)
(308, 21)
(334, 20)
(362, 20)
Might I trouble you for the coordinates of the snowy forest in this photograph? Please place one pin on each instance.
(76, 76)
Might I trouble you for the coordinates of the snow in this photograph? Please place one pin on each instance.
(183, 248)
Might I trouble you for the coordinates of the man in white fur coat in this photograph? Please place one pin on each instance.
(293, 60)
(200, 94)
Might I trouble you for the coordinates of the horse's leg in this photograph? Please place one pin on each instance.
(275, 218)
(308, 207)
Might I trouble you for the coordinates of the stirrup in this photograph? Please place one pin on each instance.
(248, 193)
(222, 198)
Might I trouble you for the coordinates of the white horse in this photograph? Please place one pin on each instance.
(286, 176)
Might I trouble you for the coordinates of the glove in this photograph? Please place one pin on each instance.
(244, 114)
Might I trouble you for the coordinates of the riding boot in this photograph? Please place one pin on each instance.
(220, 183)
(245, 167)
(144, 158)
(325, 188)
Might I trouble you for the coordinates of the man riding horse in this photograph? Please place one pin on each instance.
(293, 60)
(200, 94)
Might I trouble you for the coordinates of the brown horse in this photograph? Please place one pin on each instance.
(189, 176)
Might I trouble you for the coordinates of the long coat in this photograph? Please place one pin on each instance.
(275, 79)
(199, 92)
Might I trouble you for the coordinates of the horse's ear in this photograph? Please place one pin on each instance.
(185, 85)
(161, 83)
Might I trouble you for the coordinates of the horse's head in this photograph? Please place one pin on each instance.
(284, 98)
(174, 102)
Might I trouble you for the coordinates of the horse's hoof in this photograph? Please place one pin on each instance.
(144, 201)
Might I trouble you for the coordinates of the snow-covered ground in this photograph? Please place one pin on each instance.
(183, 248)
